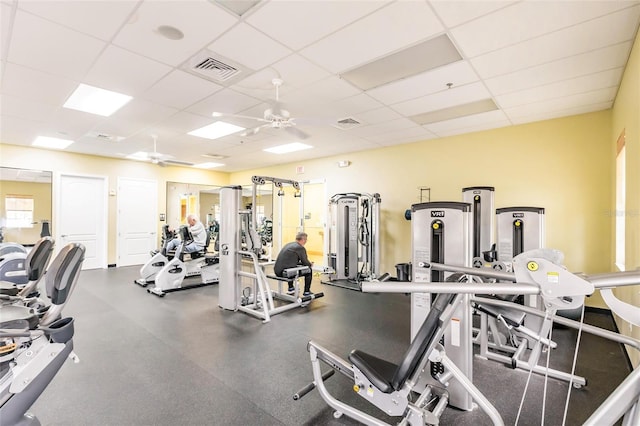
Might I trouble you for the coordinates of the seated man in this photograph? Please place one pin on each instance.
(294, 254)
(198, 233)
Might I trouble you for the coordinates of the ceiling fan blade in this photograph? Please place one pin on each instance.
(177, 163)
(296, 132)
(255, 130)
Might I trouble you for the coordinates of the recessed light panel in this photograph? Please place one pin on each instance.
(209, 165)
(216, 130)
(457, 111)
(51, 143)
(140, 155)
(290, 147)
(423, 57)
(96, 101)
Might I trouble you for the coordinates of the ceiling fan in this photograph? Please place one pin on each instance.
(163, 160)
(275, 117)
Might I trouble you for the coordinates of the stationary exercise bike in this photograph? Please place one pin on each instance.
(185, 265)
(34, 348)
(159, 258)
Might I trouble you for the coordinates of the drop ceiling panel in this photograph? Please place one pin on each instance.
(471, 121)
(547, 115)
(200, 21)
(377, 116)
(354, 105)
(571, 41)
(35, 85)
(100, 19)
(18, 131)
(144, 113)
(560, 104)
(459, 73)
(298, 72)
(184, 122)
(125, 72)
(382, 128)
(443, 99)
(385, 31)
(328, 90)
(587, 63)
(6, 15)
(180, 90)
(601, 80)
(412, 134)
(16, 106)
(225, 101)
(454, 13)
(71, 124)
(476, 128)
(249, 47)
(507, 26)
(297, 24)
(50, 49)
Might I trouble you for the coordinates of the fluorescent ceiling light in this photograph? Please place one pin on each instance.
(96, 101)
(209, 165)
(216, 130)
(457, 111)
(53, 143)
(290, 147)
(423, 57)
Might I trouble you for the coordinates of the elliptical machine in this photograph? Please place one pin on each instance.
(184, 265)
(12, 263)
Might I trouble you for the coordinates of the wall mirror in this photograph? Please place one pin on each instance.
(25, 205)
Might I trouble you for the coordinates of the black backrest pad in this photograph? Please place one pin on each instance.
(63, 272)
(422, 340)
(38, 258)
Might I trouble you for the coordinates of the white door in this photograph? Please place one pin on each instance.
(81, 216)
(137, 220)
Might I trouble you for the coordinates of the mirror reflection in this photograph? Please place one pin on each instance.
(25, 210)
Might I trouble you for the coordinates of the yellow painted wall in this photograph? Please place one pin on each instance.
(626, 116)
(42, 208)
(58, 162)
(556, 164)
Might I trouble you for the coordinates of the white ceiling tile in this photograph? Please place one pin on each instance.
(412, 134)
(118, 126)
(100, 19)
(226, 101)
(328, 90)
(382, 128)
(15, 106)
(547, 115)
(587, 83)
(354, 105)
(525, 20)
(454, 13)
(249, 47)
(298, 72)
(444, 99)
(404, 23)
(568, 102)
(575, 66)
(184, 122)
(377, 116)
(41, 44)
(200, 22)
(71, 124)
(571, 41)
(180, 90)
(6, 19)
(476, 128)
(18, 131)
(35, 85)
(297, 24)
(144, 113)
(459, 73)
(471, 121)
(125, 72)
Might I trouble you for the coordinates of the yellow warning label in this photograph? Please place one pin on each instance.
(532, 266)
(553, 277)
(436, 225)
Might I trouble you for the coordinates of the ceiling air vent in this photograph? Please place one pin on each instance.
(215, 68)
(347, 123)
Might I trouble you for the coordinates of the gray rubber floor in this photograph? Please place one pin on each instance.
(181, 360)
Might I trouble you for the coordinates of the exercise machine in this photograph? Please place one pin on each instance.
(12, 263)
(185, 265)
(440, 232)
(244, 285)
(353, 243)
(159, 259)
(33, 349)
(36, 264)
(482, 221)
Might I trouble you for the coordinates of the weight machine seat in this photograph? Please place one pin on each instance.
(290, 274)
(389, 377)
(35, 265)
(513, 317)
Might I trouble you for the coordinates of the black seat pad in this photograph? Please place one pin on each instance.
(378, 371)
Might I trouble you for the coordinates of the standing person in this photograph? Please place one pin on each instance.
(294, 254)
(198, 233)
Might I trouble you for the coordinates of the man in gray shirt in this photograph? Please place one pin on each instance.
(294, 254)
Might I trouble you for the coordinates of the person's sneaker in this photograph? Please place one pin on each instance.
(291, 290)
(307, 293)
